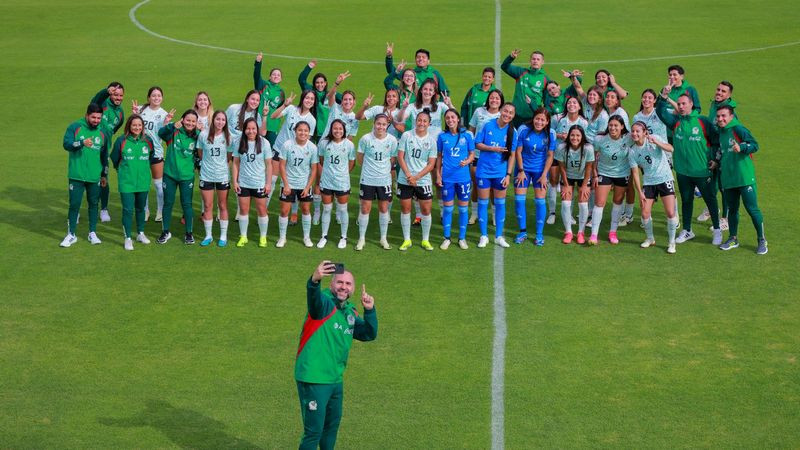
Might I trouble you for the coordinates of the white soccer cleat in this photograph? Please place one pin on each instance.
(307, 242)
(128, 244)
(501, 241)
(624, 220)
(322, 242)
(146, 215)
(385, 244)
(445, 244)
(104, 217)
(473, 218)
(360, 245)
(671, 249)
(281, 242)
(463, 244)
(648, 243)
(93, 239)
(68, 240)
(342, 244)
(142, 238)
(483, 241)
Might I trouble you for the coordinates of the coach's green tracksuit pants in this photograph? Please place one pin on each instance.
(748, 196)
(708, 188)
(133, 201)
(321, 409)
(171, 185)
(76, 190)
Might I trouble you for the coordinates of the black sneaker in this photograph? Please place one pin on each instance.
(165, 236)
(188, 239)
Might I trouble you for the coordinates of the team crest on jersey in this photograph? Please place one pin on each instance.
(695, 130)
(351, 320)
(97, 140)
(538, 83)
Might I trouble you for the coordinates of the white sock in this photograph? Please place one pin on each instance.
(306, 220)
(363, 221)
(672, 226)
(208, 224)
(383, 222)
(426, 227)
(405, 222)
(566, 215)
(283, 223)
(263, 223)
(272, 187)
(243, 220)
(583, 215)
(317, 200)
(159, 184)
(597, 217)
(417, 214)
(616, 212)
(390, 207)
(344, 219)
(223, 230)
(648, 227)
(551, 199)
(325, 219)
(629, 209)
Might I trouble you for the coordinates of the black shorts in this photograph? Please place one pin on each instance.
(578, 181)
(555, 163)
(382, 193)
(652, 191)
(334, 193)
(276, 155)
(475, 162)
(405, 192)
(154, 161)
(248, 192)
(212, 186)
(295, 196)
(603, 180)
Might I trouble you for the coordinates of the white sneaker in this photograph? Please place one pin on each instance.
(684, 236)
(473, 218)
(624, 220)
(463, 244)
(648, 242)
(68, 240)
(360, 245)
(445, 244)
(501, 241)
(483, 241)
(671, 249)
(723, 224)
(281, 243)
(322, 242)
(104, 217)
(342, 243)
(385, 244)
(142, 238)
(705, 215)
(158, 216)
(93, 239)
(716, 237)
(307, 242)
(551, 218)
(128, 244)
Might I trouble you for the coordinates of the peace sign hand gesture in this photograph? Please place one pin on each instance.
(342, 76)
(289, 99)
(368, 100)
(367, 300)
(389, 48)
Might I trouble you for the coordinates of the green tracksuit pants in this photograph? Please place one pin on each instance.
(133, 201)
(171, 185)
(708, 188)
(321, 410)
(76, 190)
(748, 196)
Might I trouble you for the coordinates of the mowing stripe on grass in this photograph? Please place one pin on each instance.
(499, 342)
(135, 21)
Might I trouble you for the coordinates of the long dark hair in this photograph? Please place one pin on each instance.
(568, 144)
(212, 131)
(243, 138)
(648, 90)
(127, 131)
(458, 116)
(545, 130)
(313, 109)
(580, 107)
(509, 134)
(616, 118)
(598, 107)
(434, 99)
(317, 76)
(150, 91)
(188, 112)
(502, 99)
(329, 137)
(240, 119)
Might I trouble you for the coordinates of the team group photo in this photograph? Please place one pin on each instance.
(348, 225)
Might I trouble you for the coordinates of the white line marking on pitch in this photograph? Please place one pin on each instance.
(135, 21)
(500, 332)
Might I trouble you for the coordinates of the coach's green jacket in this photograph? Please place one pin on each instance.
(695, 140)
(179, 152)
(736, 169)
(86, 164)
(530, 82)
(131, 157)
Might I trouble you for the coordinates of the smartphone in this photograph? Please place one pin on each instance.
(338, 267)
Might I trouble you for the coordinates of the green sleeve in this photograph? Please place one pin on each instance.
(302, 79)
(695, 98)
(70, 144)
(388, 82)
(747, 143)
(389, 63)
(116, 152)
(258, 82)
(366, 329)
(318, 308)
(104, 156)
(442, 85)
(166, 131)
(661, 111)
(465, 107)
(513, 71)
(100, 97)
(712, 137)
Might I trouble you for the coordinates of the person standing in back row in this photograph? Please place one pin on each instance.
(530, 88)
(330, 326)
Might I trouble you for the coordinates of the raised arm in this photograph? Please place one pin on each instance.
(364, 106)
(258, 82)
(318, 308)
(613, 82)
(366, 329)
(302, 79)
(513, 71)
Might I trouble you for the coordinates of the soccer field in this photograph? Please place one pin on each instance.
(179, 346)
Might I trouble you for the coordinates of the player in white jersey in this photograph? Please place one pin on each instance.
(155, 117)
(337, 157)
(614, 108)
(611, 170)
(428, 99)
(251, 174)
(214, 148)
(299, 162)
(573, 115)
(377, 152)
(416, 154)
(390, 107)
(303, 112)
(204, 109)
(483, 115)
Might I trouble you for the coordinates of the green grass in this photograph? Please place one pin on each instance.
(174, 346)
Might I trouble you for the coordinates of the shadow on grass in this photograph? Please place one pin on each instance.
(184, 427)
(42, 211)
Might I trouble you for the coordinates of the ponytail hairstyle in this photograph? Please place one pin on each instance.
(190, 112)
(240, 122)
(329, 137)
(302, 122)
(647, 91)
(509, 135)
(150, 92)
(212, 130)
(317, 76)
(243, 138)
